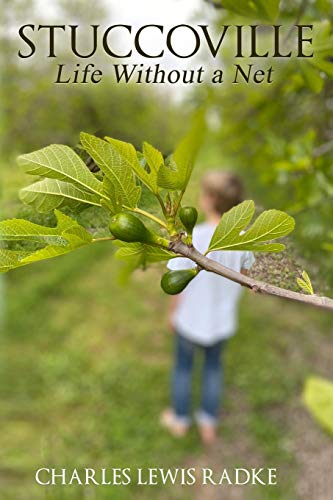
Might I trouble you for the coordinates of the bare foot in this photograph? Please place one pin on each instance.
(208, 434)
(169, 421)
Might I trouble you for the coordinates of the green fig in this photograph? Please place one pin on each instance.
(174, 282)
(188, 217)
(127, 227)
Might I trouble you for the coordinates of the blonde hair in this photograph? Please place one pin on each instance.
(225, 189)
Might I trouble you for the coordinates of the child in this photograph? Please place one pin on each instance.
(204, 316)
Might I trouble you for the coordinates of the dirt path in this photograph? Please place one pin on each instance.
(313, 451)
(314, 455)
(313, 446)
(228, 453)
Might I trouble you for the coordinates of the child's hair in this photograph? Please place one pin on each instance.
(225, 189)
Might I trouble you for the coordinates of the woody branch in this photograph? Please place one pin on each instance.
(257, 286)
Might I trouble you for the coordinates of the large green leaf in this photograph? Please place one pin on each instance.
(267, 10)
(9, 259)
(48, 194)
(116, 168)
(60, 162)
(182, 161)
(318, 398)
(230, 234)
(141, 254)
(129, 155)
(138, 256)
(153, 157)
(67, 236)
(24, 230)
(114, 203)
(233, 223)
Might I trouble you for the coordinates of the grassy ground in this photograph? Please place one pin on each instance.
(85, 371)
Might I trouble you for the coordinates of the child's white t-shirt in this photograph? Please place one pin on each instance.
(207, 311)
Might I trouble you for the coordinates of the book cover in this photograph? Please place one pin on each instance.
(166, 271)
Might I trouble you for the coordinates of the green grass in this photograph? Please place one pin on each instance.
(85, 372)
(84, 389)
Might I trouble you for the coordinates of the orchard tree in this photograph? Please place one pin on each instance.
(282, 139)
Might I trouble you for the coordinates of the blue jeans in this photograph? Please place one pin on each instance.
(212, 380)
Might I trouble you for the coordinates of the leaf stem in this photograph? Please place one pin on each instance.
(147, 214)
(161, 202)
(177, 205)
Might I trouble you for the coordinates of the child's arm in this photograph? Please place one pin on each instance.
(173, 304)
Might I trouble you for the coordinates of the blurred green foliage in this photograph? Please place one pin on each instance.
(280, 136)
(318, 398)
(36, 112)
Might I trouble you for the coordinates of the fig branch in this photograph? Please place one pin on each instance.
(210, 265)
